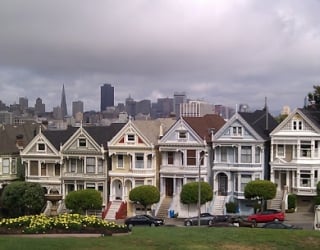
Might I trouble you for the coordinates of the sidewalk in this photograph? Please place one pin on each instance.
(303, 219)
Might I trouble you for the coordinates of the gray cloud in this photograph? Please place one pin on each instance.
(221, 51)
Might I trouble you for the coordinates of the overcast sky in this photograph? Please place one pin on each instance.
(222, 52)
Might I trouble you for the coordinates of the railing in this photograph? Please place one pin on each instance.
(236, 165)
(304, 191)
(90, 175)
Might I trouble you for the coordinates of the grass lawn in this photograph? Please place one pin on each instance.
(166, 238)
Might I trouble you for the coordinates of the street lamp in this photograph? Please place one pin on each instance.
(199, 186)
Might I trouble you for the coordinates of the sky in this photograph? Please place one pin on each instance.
(222, 52)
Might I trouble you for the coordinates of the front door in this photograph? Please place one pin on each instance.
(283, 179)
(169, 186)
(222, 184)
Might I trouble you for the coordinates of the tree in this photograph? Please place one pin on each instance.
(23, 198)
(189, 193)
(82, 200)
(314, 98)
(145, 195)
(260, 190)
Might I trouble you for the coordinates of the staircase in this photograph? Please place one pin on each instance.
(113, 209)
(164, 207)
(277, 201)
(218, 205)
(54, 209)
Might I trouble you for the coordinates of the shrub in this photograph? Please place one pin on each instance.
(292, 201)
(231, 207)
(82, 200)
(189, 193)
(145, 195)
(317, 200)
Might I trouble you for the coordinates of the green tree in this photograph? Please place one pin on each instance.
(145, 195)
(189, 193)
(23, 198)
(82, 200)
(20, 169)
(260, 190)
(314, 98)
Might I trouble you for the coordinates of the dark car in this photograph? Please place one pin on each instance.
(205, 219)
(243, 222)
(279, 225)
(267, 216)
(222, 224)
(143, 220)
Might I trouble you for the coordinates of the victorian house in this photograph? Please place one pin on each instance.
(295, 155)
(241, 154)
(185, 152)
(135, 162)
(13, 139)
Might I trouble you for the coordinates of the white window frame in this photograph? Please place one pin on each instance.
(5, 167)
(182, 135)
(120, 161)
(278, 152)
(297, 125)
(139, 161)
(82, 142)
(41, 144)
(91, 168)
(131, 138)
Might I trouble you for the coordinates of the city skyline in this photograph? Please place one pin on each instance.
(222, 52)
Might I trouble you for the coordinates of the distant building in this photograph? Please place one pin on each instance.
(143, 107)
(23, 102)
(57, 113)
(107, 96)
(77, 107)
(178, 98)
(196, 109)
(63, 106)
(39, 107)
(130, 106)
(224, 111)
(6, 117)
(163, 108)
(285, 110)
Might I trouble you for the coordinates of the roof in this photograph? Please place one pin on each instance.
(10, 133)
(257, 120)
(313, 115)
(151, 128)
(205, 125)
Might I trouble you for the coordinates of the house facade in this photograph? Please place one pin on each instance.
(184, 150)
(241, 154)
(295, 154)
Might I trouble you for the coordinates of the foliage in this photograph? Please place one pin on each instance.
(260, 190)
(231, 207)
(318, 188)
(281, 117)
(314, 98)
(23, 198)
(82, 200)
(63, 223)
(20, 169)
(292, 201)
(145, 195)
(317, 200)
(189, 193)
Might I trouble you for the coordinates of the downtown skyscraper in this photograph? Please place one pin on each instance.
(107, 96)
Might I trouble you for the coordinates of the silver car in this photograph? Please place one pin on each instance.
(205, 219)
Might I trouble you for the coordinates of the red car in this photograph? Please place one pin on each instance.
(267, 216)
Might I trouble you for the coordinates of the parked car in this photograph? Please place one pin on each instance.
(222, 224)
(279, 225)
(143, 220)
(205, 219)
(243, 222)
(267, 216)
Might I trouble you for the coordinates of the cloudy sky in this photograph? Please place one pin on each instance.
(222, 52)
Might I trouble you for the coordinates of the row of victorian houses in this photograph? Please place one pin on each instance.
(168, 153)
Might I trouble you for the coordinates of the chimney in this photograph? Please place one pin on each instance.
(161, 131)
(19, 141)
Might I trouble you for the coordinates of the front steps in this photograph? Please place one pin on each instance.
(114, 208)
(218, 205)
(164, 207)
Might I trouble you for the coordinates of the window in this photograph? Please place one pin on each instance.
(139, 183)
(246, 154)
(82, 142)
(237, 131)
(34, 168)
(170, 158)
(245, 179)
(43, 169)
(5, 165)
(100, 166)
(80, 164)
(90, 186)
(57, 169)
(305, 149)
(120, 161)
(41, 147)
(139, 161)
(183, 135)
(130, 138)
(149, 161)
(80, 186)
(73, 163)
(14, 166)
(297, 125)
(202, 156)
(280, 150)
(224, 154)
(257, 154)
(90, 165)
(191, 157)
(305, 178)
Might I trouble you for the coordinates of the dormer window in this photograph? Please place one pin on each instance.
(237, 131)
(82, 142)
(182, 135)
(41, 147)
(130, 137)
(297, 125)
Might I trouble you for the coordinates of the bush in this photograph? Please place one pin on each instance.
(317, 200)
(318, 188)
(189, 193)
(145, 195)
(82, 200)
(231, 207)
(292, 201)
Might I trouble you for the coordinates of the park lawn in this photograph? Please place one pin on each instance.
(166, 238)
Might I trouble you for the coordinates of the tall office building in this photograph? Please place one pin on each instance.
(63, 106)
(178, 98)
(107, 96)
(77, 107)
(196, 109)
(39, 107)
(23, 102)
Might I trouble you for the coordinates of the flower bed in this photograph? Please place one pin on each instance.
(65, 223)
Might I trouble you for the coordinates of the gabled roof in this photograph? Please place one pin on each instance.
(59, 137)
(152, 129)
(313, 115)
(205, 125)
(258, 121)
(9, 133)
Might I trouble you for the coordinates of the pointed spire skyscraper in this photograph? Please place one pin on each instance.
(63, 106)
